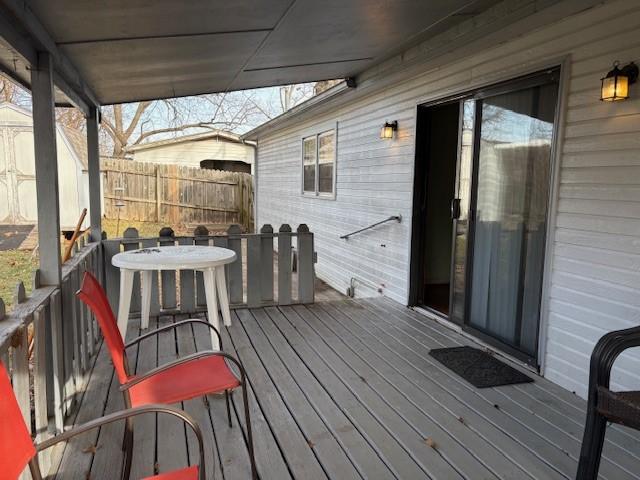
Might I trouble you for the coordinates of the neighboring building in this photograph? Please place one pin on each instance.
(508, 133)
(217, 150)
(18, 203)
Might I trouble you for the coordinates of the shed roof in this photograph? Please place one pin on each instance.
(217, 134)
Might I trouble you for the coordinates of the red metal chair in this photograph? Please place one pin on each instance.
(17, 449)
(195, 375)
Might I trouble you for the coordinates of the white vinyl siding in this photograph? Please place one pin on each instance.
(193, 152)
(594, 283)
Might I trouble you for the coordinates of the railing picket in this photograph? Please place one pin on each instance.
(89, 265)
(201, 235)
(57, 359)
(306, 276)
(131, 243)
(284, 265)
(69, 344)
(266, 263)
(42, 376)
(187, 284)
(154, 309)
(254, 293)
(20, 372)
(234, 271)
(111, 273)
(168, 278)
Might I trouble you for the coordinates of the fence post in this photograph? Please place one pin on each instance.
(158, 194)
(187, 284)
(266, 262)
(305, 265)
(284, 265)
(201, 236)
(254, 264)
(168, 293)
(131, 235)
(234, 243)
(20, 361)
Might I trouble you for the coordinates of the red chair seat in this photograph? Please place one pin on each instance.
(190, 473)
(185, 381)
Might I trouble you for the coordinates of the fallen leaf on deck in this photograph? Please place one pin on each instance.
(90, 449)
(430, 442)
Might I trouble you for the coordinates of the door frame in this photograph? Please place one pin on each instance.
(562, 65)
(417, 227)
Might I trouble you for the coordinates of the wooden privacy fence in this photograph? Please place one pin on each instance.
(55, 332)
(176, 195)
(260, 276)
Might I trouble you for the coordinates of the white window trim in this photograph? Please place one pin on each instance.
(317, 193)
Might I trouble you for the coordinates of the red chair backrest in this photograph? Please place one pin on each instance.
(16, 446)
(95, 297)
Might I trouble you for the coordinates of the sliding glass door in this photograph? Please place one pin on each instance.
(512, 162)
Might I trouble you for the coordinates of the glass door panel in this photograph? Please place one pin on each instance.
(461, 217)
(512, 174)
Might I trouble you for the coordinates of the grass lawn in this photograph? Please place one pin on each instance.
(15, 265)
(145, 229)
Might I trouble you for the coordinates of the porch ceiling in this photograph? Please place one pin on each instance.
(129, 50)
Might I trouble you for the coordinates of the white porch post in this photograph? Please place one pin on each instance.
(46, 168)
(95, 187)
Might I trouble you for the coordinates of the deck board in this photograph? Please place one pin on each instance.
(345, 389)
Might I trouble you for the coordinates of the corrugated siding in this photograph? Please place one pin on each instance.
(595, 279)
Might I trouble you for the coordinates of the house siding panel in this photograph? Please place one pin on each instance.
(593, 285)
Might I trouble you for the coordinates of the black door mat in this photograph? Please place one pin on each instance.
(478, 368)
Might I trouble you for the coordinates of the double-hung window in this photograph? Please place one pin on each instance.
(319, 164)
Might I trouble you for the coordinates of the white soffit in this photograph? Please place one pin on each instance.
(129, 50)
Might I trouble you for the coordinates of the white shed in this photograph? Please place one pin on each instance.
(218, 149)
(17, 170)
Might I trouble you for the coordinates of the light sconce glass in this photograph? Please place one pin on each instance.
(388, 130)
(615, 85)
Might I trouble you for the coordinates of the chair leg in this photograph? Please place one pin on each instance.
(592, 442)
(226, 397)
(247, 416)
(127, 448)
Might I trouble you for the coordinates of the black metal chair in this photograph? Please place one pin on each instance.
(605, 405)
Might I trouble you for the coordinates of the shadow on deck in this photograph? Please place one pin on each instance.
(345, 390)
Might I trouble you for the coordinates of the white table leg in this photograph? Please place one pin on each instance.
(212, 304)
(224, 296)
(145, 282)
(126, 289)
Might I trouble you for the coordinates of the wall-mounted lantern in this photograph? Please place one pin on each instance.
(615, 85)
(388, 130)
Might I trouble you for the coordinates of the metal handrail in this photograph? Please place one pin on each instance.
(397, 218)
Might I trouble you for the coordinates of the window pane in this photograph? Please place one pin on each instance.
(326, 157)
(309, 164)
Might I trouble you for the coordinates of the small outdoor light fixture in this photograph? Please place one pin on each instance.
(615, 86)
(388, 130)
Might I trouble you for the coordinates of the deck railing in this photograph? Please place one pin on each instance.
(262, 275)
(47, 342)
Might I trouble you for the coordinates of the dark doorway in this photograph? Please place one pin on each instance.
(226, 165)
(436, 161)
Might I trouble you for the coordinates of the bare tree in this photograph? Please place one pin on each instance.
(131, 124)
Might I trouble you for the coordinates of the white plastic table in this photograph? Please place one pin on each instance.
(209, 260)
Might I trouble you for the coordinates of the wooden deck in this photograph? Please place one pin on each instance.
(345, 390)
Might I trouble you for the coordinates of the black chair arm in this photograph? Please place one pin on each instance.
(605, 353)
